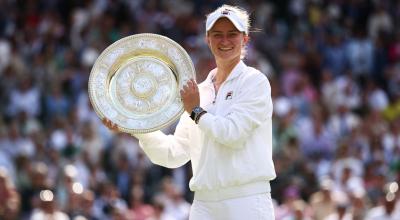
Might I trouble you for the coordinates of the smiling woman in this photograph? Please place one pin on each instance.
(226, 131)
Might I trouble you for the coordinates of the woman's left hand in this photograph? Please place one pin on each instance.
(190, 95)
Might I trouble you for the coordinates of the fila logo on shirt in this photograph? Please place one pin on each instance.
(229, 95)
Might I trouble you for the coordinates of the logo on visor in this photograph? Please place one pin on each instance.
(225, 12)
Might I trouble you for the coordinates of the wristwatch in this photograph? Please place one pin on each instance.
(196, 112)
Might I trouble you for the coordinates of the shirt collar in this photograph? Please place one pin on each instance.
(234, 73)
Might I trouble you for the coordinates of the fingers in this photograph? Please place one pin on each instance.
(110, 125)
(190, 95)
(184, 90)
(190, 86)
(106, 122)
(114, 127)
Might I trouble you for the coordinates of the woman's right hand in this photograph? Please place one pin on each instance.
(110, 125)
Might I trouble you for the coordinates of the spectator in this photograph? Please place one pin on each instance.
(48, 208)
(139, 210)
(322, 201)
(26, 97)
(390, 205)
(9, 197)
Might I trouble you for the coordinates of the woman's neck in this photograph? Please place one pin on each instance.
(223, 70)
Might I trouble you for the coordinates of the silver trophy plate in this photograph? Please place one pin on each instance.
(135, 82)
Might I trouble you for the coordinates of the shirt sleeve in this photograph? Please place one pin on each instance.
(251, 108)
(170, 151)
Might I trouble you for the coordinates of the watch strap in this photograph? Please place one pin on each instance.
(194, 115)
(199, 116)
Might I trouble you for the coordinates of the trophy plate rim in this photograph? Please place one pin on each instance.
(135, 82)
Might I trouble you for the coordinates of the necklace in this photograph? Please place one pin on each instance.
(215, 89)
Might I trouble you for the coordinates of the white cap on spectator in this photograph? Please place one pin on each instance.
(238, 18)
(282, 106)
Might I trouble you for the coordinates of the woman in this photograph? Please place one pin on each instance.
(226, 131)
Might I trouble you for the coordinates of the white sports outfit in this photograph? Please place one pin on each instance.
(230, 148)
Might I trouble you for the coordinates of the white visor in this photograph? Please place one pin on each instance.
(227, 13)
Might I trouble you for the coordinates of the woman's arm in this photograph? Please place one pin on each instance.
(167, 150)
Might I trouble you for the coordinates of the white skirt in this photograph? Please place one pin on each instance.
(254, 207)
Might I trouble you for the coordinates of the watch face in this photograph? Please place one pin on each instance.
(197, 110)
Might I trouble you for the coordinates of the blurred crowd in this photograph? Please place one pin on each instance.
(334, 68)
